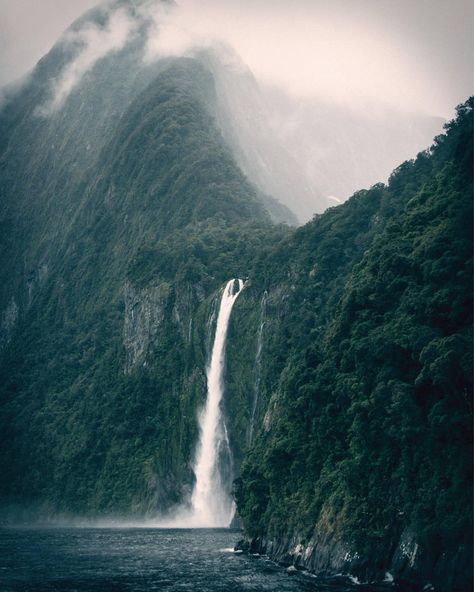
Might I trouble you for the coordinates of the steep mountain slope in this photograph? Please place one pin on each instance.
(363, 463)
(296, 152)
(244, 116)
(76, 331)
(129, 162)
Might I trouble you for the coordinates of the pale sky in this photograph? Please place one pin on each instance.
(415, 54)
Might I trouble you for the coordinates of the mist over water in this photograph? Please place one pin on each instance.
(211, 504)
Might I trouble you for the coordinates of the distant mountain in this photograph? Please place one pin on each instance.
(309, 154)
(244, 116)
(345, 147)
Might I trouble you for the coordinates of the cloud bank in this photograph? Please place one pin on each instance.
(415, 56)
(95, 43)
(28, 29)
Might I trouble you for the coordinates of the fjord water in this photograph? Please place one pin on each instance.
(142, 560)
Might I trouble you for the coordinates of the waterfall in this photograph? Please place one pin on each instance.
(211, 501)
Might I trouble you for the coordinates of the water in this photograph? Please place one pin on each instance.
(142, 560)
(211, 501)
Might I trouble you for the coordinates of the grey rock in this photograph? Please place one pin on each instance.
(144, 313)
(8, 322)
(405, 562)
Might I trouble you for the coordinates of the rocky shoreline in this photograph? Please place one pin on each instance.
(405, 564)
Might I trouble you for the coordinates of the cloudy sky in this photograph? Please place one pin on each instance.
(416, 54)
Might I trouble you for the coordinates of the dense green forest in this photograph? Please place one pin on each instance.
(137, 249)
(348, 373)
(367, 436)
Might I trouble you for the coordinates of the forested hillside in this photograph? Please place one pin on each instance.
(364, 458)
(92, 424)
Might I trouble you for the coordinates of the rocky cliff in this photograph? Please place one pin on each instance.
(361, 463)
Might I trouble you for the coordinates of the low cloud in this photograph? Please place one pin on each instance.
(369, 52)
(172, 33)
(95, 43)
(375, 53)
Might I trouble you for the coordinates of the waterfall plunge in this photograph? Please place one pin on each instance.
(211, 503)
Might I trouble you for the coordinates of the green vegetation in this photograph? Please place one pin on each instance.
(126, 258)
(368, 431)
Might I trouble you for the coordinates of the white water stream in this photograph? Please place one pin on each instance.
(258, 368)
(211, 500)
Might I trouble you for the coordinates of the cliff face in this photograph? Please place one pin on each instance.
(106, 292)
(405, 561)
(362, 461)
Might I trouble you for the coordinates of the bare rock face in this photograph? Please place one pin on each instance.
(8, 321)
(186, 298)
(144, 313)
(402, 561)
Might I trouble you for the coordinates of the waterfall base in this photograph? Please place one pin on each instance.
(211, 503)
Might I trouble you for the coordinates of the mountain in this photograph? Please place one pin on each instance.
(309, 154)
(244, 117)
(302, 156)
(131, 164)
(345, 147)
(126, 207)
(363, 464)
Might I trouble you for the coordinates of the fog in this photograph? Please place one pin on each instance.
(415, 55)
(29, 28)
(94, 43)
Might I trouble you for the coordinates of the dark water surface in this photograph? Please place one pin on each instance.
(142, 560)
